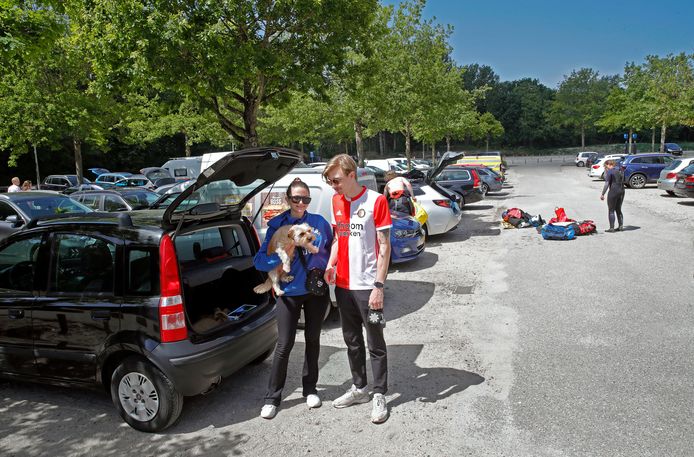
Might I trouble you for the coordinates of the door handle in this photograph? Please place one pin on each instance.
(101, 315)
(15, 313)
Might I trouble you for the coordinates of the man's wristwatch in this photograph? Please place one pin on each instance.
(378, 285)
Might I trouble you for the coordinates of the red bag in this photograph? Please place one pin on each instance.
(512, 212)
(586, 227)
(561, 216)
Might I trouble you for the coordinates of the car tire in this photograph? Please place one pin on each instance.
(580, 164)
(485, 188)
(637, 181)
(157, 404)
(670, 193)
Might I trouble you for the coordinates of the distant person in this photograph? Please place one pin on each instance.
(614, 187)
(15, 185)
(399, 193)
(26, 185)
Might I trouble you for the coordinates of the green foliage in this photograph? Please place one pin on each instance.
(27, 29)
(232, 56)
(580, 100)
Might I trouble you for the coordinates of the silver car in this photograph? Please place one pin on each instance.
(668, 175)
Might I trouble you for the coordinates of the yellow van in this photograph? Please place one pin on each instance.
(491, 159)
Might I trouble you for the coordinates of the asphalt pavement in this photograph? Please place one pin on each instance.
(500, 343)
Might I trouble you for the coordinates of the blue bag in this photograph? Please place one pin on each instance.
(565, 231)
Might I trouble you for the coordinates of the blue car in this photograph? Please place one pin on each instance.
(108, 180)
(641, 169)
(406, 238)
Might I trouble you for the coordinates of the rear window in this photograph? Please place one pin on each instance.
(143, 272)
(180, 172)
(211, 245)
(140, 199)
(48, 206)
(674, 164)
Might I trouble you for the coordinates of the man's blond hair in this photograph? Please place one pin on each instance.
(342, 161)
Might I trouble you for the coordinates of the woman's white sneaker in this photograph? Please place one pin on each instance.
(313, 401)
(352, 397)
(268, 411)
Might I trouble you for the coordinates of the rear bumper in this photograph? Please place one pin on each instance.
(684, 191)
(666, 184)
(195, 367)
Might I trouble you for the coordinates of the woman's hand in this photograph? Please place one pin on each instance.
(602, 197)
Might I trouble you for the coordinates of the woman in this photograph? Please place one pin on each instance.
(295, 297)
(614, 182)
(26, 185)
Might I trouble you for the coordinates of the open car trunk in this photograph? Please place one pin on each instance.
(218, 276)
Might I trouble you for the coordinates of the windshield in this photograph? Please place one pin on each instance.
(73, 180)
(224, 192)
(157, 174)
(50, 205)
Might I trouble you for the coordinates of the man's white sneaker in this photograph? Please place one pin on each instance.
(379, 411)
(313, 401)
(353, 396)
(268, 411)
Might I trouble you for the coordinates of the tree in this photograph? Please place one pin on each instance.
(479, 77)
(148, 119)
(489, 128)
(579, 101)
(234, 57)
(669, 91)
(27, 29)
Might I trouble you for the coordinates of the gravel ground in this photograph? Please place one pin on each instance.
(500, 343)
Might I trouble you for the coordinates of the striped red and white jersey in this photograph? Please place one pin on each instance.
(355, 222)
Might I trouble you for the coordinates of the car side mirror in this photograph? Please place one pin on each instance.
(14, 221)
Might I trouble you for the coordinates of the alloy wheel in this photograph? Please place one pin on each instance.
(138, 396)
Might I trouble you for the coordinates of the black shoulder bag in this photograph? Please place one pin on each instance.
(315, 283)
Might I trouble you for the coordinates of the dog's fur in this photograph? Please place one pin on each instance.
(284, 243)
(211, 321)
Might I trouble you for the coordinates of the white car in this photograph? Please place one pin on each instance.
(597, 170)
(581, 158)
(668, 175)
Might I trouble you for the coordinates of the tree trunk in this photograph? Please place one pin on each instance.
(631, 133)
(36, 161)
(653, 140)
(448, 143)
(407, 146)
(433, 151)
(583, 138)
(189, 151)
(663, 130)
(77, 147)
(487, 142)
(346, 148)
(358, 138)
(395, 142)
(381, 142)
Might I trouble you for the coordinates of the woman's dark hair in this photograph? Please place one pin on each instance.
(297, 183)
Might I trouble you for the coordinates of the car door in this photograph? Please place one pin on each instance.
(20, 272)
(80, 309)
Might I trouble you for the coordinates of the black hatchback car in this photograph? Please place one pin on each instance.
(152, 305)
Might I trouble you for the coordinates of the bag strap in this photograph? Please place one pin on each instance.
(302, 259)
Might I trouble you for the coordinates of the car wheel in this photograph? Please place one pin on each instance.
(425, 232)
(485, 188)
(580, 164)
(637, 181)
(145, 398)
(670, 193)
(602, 176)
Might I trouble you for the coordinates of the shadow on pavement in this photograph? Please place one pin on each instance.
(422, 262)
(686, 203)
(630, 228)
(476, 207)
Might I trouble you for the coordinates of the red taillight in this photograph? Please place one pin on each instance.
(596, 167)
(689, 178)
(475, 179)
(443, 203)
(172, 318)
(670, 175)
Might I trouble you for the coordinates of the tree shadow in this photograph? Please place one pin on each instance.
(630, 228)
(409, 382)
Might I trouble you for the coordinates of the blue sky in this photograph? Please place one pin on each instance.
(547, 39)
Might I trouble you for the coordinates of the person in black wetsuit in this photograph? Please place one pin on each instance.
(614, 187)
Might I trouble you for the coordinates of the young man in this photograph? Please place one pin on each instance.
(15, 185)
(358, 266)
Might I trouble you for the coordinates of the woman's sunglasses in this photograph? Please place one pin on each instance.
(297, 199)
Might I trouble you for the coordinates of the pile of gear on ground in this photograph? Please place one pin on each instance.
(559, 227)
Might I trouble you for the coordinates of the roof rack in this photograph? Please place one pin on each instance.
(120, 219)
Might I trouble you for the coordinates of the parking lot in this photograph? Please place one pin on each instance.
(500, 343)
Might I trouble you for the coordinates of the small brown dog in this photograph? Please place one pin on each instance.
(210, 321)
(284, 242)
